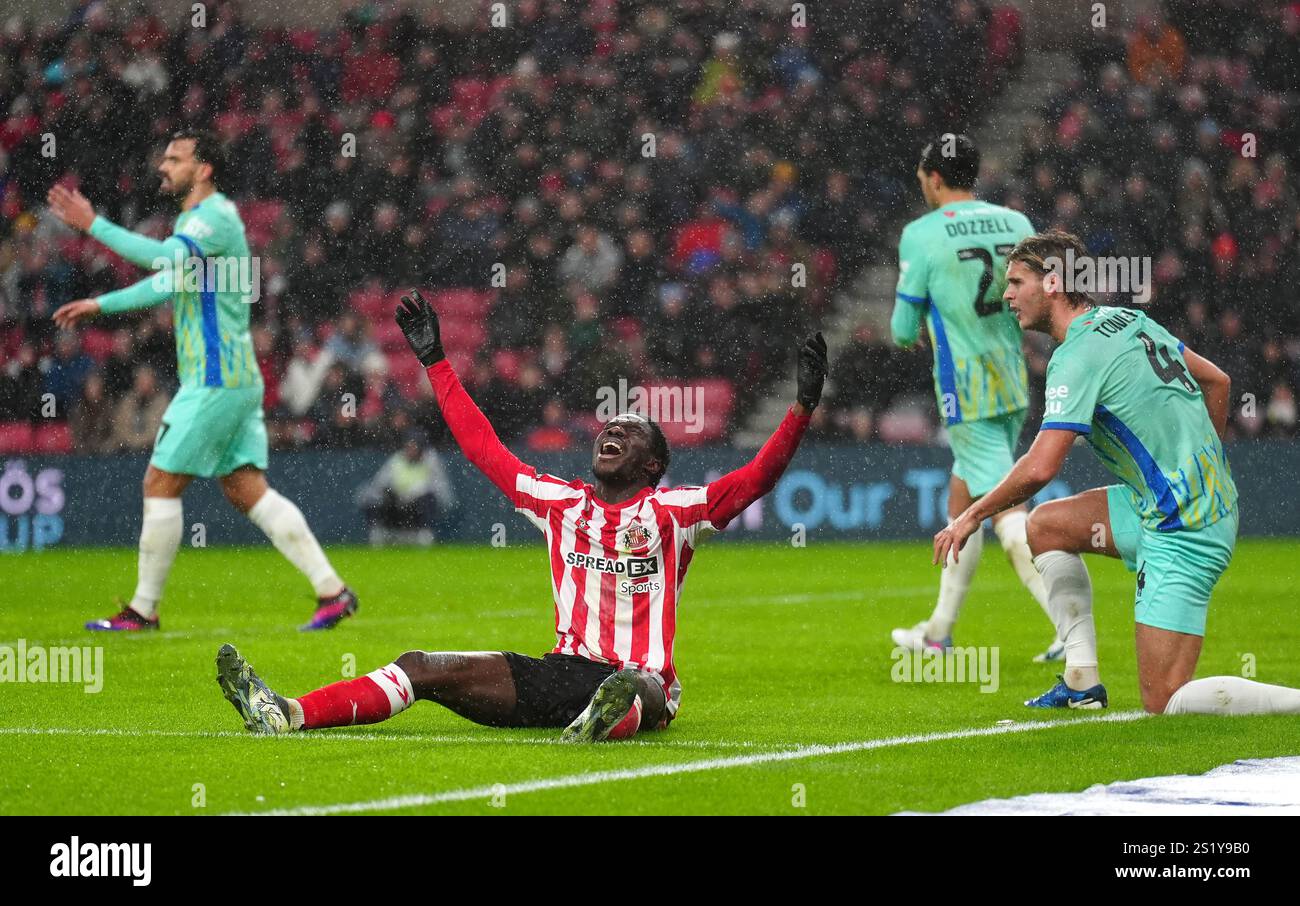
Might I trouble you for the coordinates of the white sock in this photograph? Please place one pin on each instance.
(285, 526)
(954, 582)
(1069, 604)
(396, 685)
(295, 714)
(160, 538)
(1229, 695)
(1011, 532)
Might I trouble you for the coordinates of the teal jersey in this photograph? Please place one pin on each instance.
(1121, 379)
(214, 347)
(952, 265)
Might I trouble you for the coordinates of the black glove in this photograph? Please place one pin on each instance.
(812, 371)
(420, 324)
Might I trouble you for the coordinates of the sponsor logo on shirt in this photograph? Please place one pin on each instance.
(632, 567)
(1056, 400)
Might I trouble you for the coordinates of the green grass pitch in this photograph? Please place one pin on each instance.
(779, 649)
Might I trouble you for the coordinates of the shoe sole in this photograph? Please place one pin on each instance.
(611, 703)
(232, 682)
(1092, 704)
(907, 643)
(352, 608)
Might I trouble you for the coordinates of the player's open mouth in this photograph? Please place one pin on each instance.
(610, 447)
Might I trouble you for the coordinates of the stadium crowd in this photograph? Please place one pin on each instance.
(642, 178)
(617, 191)
(1180, 142)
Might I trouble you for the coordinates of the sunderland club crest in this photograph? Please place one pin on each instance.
(634, 536)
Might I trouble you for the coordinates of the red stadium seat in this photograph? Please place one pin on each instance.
(15, 437)
(388, 335)
(259, 220)
(461, 361)
(1005, 37)
(463, 333)
(407, 374)
(55, 437)
(471, 97)
(628, 330)
(97, 343)
(717, 397)
(464, 303)
(506, 363)
(372, 304)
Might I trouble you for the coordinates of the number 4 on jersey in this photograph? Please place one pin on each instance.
(1166, 367)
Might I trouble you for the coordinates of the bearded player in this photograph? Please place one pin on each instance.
(214, 425)
(619, 550)
(1155, 413)
(950, 273)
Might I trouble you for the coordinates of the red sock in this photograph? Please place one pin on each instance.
(366, 700)
(631, 722)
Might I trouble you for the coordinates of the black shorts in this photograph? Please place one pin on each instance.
(552, 690)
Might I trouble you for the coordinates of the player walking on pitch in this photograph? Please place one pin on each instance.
(214, 425)
(1155, 412)
(950, 274)
(618, 550)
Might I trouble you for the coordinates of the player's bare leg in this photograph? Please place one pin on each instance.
(1058, 532)
(160, 538)
(1166, 663)
(248, 491)
(477, 685)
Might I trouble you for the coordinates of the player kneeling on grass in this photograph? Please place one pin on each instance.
(1155, 413)
(618, 549)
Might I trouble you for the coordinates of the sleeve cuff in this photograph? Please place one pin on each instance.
(1076, 427)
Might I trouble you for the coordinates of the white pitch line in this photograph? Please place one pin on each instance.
(442, 738)
(592, 778)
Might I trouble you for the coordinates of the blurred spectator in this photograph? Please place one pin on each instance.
(1156, 52)
(20, 386)
(139, 414)
(65, 372)
(408, 496)
(91, 421)
(592, 261)
(303, 377)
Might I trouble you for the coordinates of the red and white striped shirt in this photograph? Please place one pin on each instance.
(617, 569)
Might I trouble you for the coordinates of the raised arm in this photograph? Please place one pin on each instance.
(1215, 385)
(473, 432)
(732, 493)
(74, 209)
(150, 291)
